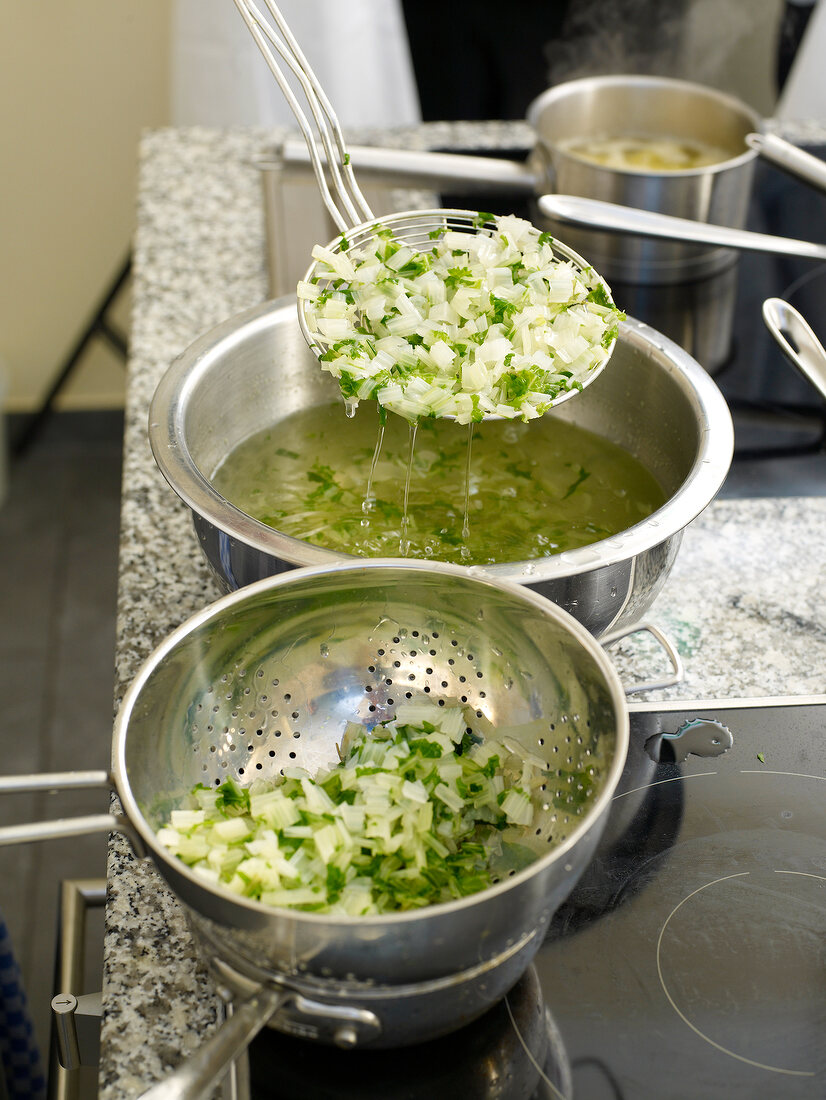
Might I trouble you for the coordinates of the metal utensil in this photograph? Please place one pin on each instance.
(595, 214)
(797, 341)
(342, 197)
(340, 192)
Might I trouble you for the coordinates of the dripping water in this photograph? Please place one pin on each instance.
(466, 516)
(370, 497)
(404, 542)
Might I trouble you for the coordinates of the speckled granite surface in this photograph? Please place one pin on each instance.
(745, 601)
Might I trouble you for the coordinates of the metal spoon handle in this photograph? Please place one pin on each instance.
(609, 216)
(797, 341)
(790, 158)
(194, 1078)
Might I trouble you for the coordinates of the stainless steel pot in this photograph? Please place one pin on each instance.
(661, 108)
(255, 369)
(598, 107)
(269, 676)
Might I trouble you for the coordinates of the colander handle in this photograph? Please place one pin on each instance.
(63, 827)
(678, 669)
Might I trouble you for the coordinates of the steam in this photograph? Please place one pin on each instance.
(624, 36)
(689, 39)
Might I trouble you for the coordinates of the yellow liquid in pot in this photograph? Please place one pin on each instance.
(648, 154)
(533, 490)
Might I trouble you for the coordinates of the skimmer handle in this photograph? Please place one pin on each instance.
(344, 201)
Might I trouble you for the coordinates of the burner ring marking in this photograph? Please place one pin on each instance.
(683, 1017)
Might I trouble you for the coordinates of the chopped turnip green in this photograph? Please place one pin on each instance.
(476, 324)
(417, 811)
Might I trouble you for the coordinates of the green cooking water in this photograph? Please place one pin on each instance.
(533, 490)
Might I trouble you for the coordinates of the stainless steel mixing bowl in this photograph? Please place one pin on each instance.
(652, 399)
(269, 676)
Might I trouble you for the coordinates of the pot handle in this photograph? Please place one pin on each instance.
(412, 168)
(64, 827)
(195, 1077)
(783, 154)
(670, 649)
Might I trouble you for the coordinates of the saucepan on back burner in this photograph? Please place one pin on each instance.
(653, 143)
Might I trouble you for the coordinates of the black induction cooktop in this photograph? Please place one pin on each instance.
(690, 961)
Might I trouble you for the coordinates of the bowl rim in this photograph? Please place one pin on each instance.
(169, 446)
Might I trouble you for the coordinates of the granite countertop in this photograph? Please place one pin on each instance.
(744, 601)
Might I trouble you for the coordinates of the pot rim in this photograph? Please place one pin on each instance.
(595, 817)
(169, 446)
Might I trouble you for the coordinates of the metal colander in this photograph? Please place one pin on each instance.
(270, 675)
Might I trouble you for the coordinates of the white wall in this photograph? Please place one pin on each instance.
(78, 82)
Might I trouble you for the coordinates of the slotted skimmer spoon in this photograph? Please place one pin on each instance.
(570, 345)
